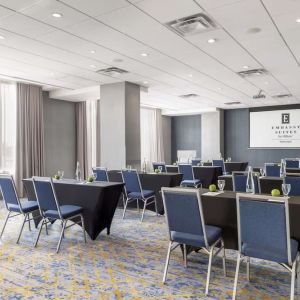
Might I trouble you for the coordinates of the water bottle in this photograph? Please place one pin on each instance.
(250, 182)
(282, 168)
(78, 172)
(144, 166)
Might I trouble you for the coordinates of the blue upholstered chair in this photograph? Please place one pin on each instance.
(292, 162)
(219, 163)
(101, 173)
(272, 170)
(239, 181)
(196, 161)
(294, 181)
(134, 192)
(13, 204)
(188, 178)
(50, 209)
(187, 227)
(156, 165)
(264, 233)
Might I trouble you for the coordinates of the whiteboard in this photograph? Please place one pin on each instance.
(275, 129)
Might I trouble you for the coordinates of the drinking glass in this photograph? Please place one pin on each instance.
(221, 184)
(60, 173)
(229, 159)
(262, 171)
(160, 169)
(286, 188)
(94, 176)
(129, 167)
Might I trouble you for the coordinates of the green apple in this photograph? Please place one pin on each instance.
(57, 177)
(275, 193)
(212, 188)
(156, 171)
(90, 179)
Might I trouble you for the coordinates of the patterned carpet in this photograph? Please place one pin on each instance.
(128, 264)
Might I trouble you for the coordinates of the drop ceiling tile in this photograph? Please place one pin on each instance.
(18, 4)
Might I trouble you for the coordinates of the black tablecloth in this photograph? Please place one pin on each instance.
(220, 211)
(154, 182)
(98, 200)
(267, 184)
(207, 174)
(172, 169)
(292, 170)
(235, 166)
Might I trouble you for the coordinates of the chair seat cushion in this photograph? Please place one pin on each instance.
(269, 253)
(27, 206)
(190, 182)
(66, 211)
(137, 195)
(213, 233)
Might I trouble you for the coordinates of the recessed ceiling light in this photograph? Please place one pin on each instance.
(219, 88)
(298, 20)
(117, 60)
(266, 82)
(190, 75)
(92, 66)
(246, 67)
(2, 37)
(145, 82)
(57, 15)
(211, 41)
(93, 51)
(144, 54)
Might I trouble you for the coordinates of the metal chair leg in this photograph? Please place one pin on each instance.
(62, 224)
(38, 236)
(144, 208)
(167, 263)
(224, 258)
(22, 227)
(83, 227)
(294, 267)
(236, 276)
(46, 228)
(61, 236)
(138, 205)
(211, 252)
(4, 225)
(184, 256)
(248, 268)
(155, 203)
(125, 207)
(29, 223)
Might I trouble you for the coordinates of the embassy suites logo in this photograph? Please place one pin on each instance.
(285, 129)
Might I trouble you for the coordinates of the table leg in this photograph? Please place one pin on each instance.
(298, 278)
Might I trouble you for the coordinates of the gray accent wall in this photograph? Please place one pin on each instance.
(236, 132)
(166, 133)
(185, 134)
(60, 136)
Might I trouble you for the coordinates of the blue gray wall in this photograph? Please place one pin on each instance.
(186, 134)
(236, 139)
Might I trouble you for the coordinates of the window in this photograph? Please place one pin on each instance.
(7, 127)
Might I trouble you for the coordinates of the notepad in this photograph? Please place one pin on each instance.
(213, 193)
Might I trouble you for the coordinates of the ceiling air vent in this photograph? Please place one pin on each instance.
(189, 96)
(192, 24)
(111, 71)
(233, 103)
(253, 73)
(282, 96)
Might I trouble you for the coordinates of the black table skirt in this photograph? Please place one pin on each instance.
(151, 181)
(98, 200)
(235, 166)
(220, 211)
(207, 174)
(267, 184)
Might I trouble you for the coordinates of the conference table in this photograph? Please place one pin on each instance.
(220, 210)
(99, 201)
(151, 181)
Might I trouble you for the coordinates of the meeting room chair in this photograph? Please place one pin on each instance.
(272, 170)
(101, 173)
(186, 226)
(264, 233)
(292, 163)
(51, 210)
(196, 162)
(239, 182)
(156, 165)
(14, 205)
(219, 163)
(188, 178)
(134, 192)
(294, 181)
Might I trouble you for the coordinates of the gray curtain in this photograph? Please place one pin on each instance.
(81, 138)
(30, 134)
(98, 139)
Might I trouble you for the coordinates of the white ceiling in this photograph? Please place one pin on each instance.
(56, 52)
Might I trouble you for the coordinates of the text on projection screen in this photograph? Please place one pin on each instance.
(275, 129)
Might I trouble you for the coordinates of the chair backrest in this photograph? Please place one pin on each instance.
(272, 170)
(263, 222)
(159, 164)
(132, 181)
(45, 194)
(183, 210)
(294, 181)
(8, 190)
(101, 173)
(196, 161)
(239, 182)
(187, 171)
(219, 163)
(292, 162)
